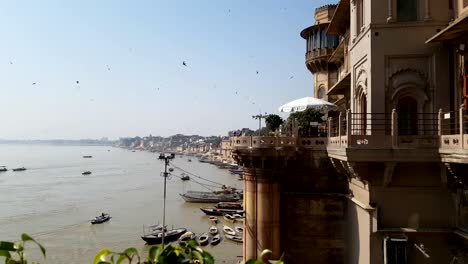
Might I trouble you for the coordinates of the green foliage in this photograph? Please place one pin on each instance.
(14, 252)
(192, 253)
(265, 258)
(189, 254)
(304, 118)
(273, 122)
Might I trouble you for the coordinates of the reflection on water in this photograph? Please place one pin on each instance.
(53, 202)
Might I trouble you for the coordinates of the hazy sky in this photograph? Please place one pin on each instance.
(127, 57)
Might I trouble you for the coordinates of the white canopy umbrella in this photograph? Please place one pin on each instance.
(304, 103)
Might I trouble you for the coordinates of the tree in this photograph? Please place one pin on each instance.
(273, 122)
(305, 118)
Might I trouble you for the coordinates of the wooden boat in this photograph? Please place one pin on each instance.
(215, 240)
(101, 219)
(186, 238)
(169, 235)
(215, 211)
(20, 169)
(3, 168)
(86, 173)
(234, 238)
(214, 219)
(87, 157)
(229, 231)
(229, 218)
(229, 205)
(203, 239)
(239, 229)
(209, 197)
(238, 216)
(213, 230)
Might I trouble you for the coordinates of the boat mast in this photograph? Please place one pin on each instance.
(165, 174)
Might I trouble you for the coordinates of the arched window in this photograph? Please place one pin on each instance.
(322, 93)
(407, 110)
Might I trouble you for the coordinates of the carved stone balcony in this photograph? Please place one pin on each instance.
(317, 59)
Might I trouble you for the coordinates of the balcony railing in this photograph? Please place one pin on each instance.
(454, 129)
(377, 131)
(318, 53)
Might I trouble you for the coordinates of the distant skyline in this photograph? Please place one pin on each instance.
(93, 69)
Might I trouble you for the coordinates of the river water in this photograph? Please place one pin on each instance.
(53, 202)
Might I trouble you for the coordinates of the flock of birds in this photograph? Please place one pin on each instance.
(184, 63)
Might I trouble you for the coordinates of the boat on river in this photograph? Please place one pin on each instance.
(3, 168)
(234, 238)
(209, 197)
(104, 217)
(87, 157)
(229, 205)
(20, 169)
(186, 237)
(215, 240)
(86, 173)
(216, 211)
(229, 231)
(169, 236)
(203, 239)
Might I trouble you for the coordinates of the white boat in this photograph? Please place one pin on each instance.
(203, 239)
(229, 218)
(239, 229)
(214, 219)
(186, 237)
(213, 230)
(237, 216)
(234, 238)
(229, 231)
(215, 240)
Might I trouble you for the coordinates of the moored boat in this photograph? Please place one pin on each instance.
(87, 157)
(234, 238)
(104, 217)
(229, 231)
(3, 168)
(208, 197)
(186, 237)
(19, 169)
(215, 239)
(86, 173)
(216, 211)
(203, 239)
(169, 235)
(229, 205)
(229, 218)
(214, 219)
(239, 229)
(213, 230)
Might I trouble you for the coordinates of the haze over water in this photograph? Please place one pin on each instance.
(53, 201)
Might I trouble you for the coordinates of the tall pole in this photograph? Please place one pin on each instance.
(165, 174)
(164, 203)
(259, 117)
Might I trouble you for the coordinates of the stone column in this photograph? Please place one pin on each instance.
(262, 207)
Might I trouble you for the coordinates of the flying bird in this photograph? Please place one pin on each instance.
(257, 72)
(108, 68)
(33, 83)
(291, 77)
(77, 82)
(11, 62)
(183, 63)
